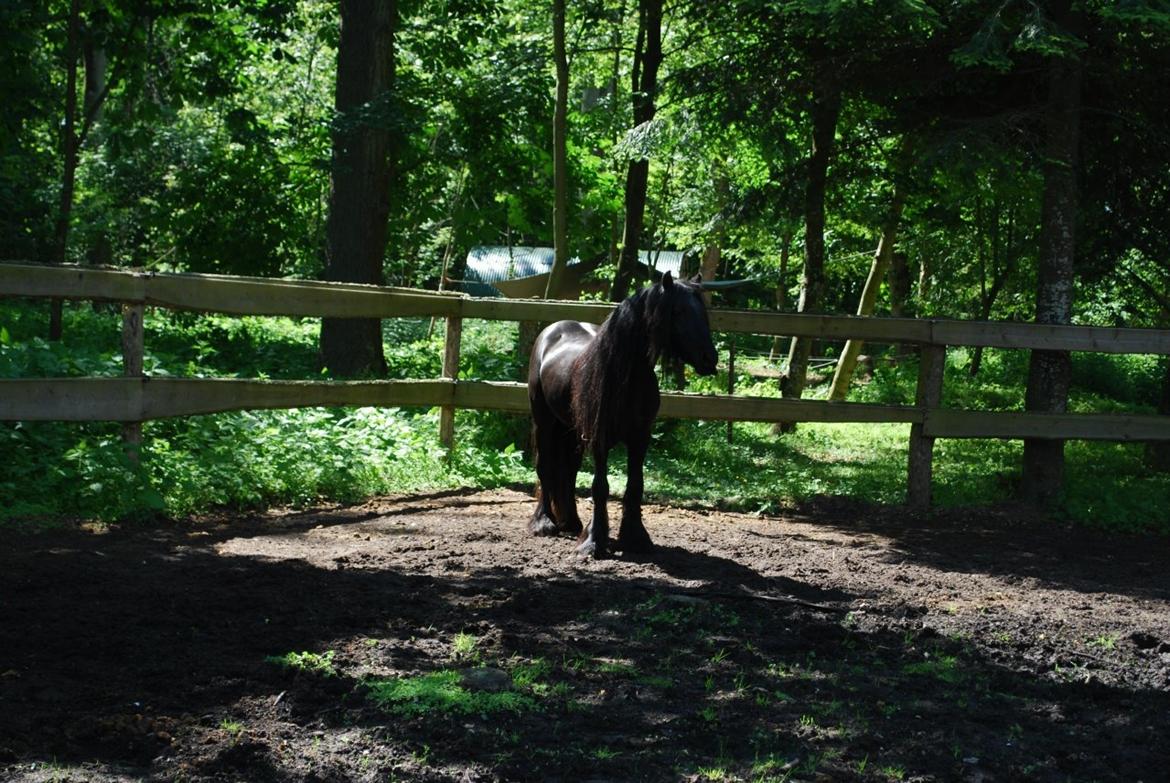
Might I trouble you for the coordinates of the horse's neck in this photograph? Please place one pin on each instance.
(639, 351)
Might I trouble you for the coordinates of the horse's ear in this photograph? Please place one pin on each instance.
(667, 280)
(697, 279)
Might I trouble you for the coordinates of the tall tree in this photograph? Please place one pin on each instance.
(359, 193)
(824, 111)
(882, 259)
(644, 83)
(560, 162)
(1049, 372)
(69, 145)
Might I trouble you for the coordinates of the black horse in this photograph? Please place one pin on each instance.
(593, 387)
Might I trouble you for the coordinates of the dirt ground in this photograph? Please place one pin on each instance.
(840, 642)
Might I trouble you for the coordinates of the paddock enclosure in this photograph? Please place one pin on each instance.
(137, 397)
(430, 638)
(366, 643)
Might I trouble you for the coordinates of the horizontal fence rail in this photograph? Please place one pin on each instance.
(310, 298)
(137, 398)
(141, 399)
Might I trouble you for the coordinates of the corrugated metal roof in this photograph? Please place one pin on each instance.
(663, 261)
(489, 264)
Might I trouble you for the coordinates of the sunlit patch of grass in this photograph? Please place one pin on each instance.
(616, 667)
(529, 674)
(310, 662)
(463, 646)
(233, 728)
(944, 668)
(442, 692)
(894, 772)
(1104, 641)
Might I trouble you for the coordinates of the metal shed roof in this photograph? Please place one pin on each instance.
(489, 264)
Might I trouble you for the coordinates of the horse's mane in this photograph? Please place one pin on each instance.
(636, 333)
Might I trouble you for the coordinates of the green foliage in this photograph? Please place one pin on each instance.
(441, 694)
(245, 459)
(211, 152)
(308, 662)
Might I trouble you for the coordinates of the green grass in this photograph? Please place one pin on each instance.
(309, 662)
(253, 459)
(463, 647)
(440, 693)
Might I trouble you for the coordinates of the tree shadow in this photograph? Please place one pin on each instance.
(1012, 543)
(109, 649)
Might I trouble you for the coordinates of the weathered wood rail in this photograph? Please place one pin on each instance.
(136, 397)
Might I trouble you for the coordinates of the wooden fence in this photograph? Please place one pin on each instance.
(136, 397)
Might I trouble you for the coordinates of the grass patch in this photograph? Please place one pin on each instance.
(529, 674)
(463, 647)
(442, 692)
(944, 668)
(309, 662)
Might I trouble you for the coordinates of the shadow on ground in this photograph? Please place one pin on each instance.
(147, 655)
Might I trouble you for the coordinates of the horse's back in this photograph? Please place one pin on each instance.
(550, 372)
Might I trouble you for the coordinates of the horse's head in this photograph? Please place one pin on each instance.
(690, 331)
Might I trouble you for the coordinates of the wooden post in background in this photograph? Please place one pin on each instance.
(450, 372)
(133, 347)
(933, 359)
(731, 385)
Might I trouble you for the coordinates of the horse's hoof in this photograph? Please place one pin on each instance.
(573, 530)
(591, 549)
(635, 545)
(542, 526)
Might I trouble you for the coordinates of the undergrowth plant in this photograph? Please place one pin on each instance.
(251, 459)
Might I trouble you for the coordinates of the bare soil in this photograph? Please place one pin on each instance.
(840, 642)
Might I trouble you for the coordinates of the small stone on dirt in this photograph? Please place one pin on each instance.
(485, 678)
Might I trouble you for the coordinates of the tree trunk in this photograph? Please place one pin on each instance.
(560, 163)
(69, 159)
(359, 193)
(781, 290)
(1049, 371)
(843, 375)
(101, 250)
(826, 106)
(644, 80)
(1003, 259)
(709, 267)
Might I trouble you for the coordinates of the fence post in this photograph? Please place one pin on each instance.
(731, 385)
(133, 340)
(933, 359)
(450, 372)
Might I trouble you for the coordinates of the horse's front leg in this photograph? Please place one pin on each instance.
(595, 538)
(633, 538)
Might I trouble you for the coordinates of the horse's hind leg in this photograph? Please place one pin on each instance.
(570, 522)
(543, 522)
(557, 460)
